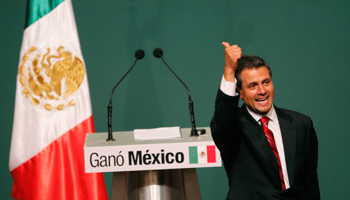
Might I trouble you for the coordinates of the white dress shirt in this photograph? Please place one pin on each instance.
(229, 88)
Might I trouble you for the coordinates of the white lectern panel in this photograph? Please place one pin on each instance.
(128, 154)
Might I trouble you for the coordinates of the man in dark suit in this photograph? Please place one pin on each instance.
(268, 153)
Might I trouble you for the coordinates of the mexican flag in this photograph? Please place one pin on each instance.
(202, 154)
(52, 110)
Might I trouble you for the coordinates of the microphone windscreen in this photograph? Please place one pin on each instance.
(158, 52)
(139, 54)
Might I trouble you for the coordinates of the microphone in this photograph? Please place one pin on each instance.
(139, 54)
(158, 53)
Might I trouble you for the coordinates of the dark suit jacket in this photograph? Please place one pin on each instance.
(249, 162)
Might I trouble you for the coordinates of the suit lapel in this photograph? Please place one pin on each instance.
(256, 139)
(288, 132)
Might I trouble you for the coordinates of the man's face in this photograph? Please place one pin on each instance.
(257, 90)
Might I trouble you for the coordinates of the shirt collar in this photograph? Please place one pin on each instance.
(271, 114)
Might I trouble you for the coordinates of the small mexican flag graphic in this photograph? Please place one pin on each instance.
(202, 154)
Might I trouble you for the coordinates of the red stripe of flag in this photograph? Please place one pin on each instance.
(211, 154)
(58, 171)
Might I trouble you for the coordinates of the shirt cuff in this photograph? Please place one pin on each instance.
(229, 88)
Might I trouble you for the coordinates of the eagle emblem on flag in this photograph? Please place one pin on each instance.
(49, 78)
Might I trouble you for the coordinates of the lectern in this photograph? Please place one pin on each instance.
(151, 169)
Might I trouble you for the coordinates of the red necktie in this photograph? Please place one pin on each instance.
(271, 140)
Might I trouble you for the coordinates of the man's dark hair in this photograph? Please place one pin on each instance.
(249, 62)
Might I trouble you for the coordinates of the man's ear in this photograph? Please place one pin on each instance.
(239, 92)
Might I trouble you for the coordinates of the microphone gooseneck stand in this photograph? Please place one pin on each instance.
(158, 53)
(139, 54)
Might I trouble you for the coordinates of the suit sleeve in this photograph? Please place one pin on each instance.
(311, 180)
(226, 128)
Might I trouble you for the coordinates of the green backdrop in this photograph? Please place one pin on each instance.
(306, 43)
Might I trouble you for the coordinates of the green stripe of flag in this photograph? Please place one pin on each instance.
(193, 154)
(37, 9)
